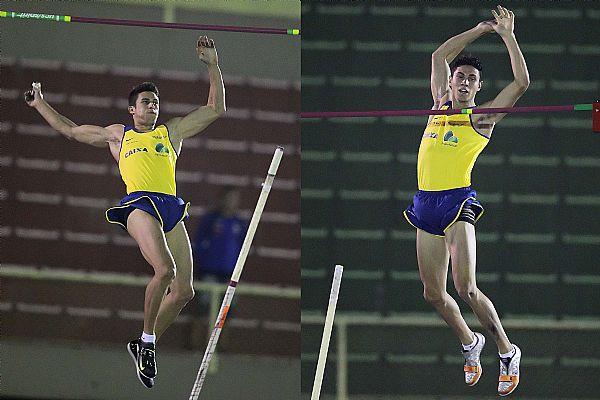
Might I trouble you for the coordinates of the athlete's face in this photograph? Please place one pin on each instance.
(465, 83)
(146, 107)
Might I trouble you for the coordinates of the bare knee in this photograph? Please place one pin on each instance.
(468, 292)
(434, 296)
(182, 297)
(165, 273)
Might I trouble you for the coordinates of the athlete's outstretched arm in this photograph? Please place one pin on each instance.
(504, 26)
(90, 134)
(440, 70)
(196, 121)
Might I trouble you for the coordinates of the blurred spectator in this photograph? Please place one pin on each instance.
(216, 245)
(219, 238)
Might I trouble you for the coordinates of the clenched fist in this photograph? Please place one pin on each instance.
(207, 52)
(33, 96)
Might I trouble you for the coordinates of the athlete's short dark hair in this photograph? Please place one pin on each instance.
(467, 59)
(142, 87)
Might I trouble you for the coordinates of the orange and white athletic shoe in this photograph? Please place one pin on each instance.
(472, 366)
(509, 373)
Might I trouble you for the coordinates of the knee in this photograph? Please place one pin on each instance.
(165, 273)
(434, 296)
(182, 297)
(468, 292)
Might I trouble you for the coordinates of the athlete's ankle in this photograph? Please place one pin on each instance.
(469, 346)
(148, 338)
(509, 354)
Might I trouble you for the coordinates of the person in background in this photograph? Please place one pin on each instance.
(219, 238)
(217, 244)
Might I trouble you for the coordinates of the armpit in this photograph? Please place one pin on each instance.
(117, 131)
(483, 121)
(114, 139)
(484, 125)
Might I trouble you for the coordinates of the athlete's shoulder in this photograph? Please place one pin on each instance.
(442, 105)
(116, 127)
(482, 122)
(117, 130)
(171, 124)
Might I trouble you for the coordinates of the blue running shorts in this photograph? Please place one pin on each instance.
(167, 209)
(435, 211)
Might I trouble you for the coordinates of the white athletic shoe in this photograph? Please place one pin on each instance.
(509, 373)
(472, 366)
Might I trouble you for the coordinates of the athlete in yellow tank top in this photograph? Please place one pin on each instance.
(151, 212)
(147, 161)
(445, 209)
(449, 148)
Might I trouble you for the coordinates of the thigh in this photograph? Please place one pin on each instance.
(461, 242)
(179, 244)
(146, 231)
(432, 257)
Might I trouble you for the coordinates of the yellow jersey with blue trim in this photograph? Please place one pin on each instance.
(449, 148)
(147, 161)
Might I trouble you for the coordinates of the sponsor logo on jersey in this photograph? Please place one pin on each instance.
(161, 148)
(450, 139)
(136, 150)
(432, 135)
(458, 123)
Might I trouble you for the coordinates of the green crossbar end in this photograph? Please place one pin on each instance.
(53, 17)
(293, 31)
(582, 107)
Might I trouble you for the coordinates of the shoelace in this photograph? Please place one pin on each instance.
(147, 356)
(505, 368)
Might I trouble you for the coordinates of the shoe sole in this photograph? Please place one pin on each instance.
(140, 376)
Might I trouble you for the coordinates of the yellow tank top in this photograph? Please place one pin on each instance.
(449, 147)
(147, 161)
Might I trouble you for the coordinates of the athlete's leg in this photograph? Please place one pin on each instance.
(150, 238)
(460, 238)
(182, 290)
(433, 257)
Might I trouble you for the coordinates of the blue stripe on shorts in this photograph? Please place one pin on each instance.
(436, 211)
(167, 209)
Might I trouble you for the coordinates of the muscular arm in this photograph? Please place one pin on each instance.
(90, 134)
(195, 122)
(514, 90)
(216, 93)
(440, 70)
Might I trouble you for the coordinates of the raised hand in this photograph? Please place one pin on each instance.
(33, 96)
(505, 21)
(207, 52)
